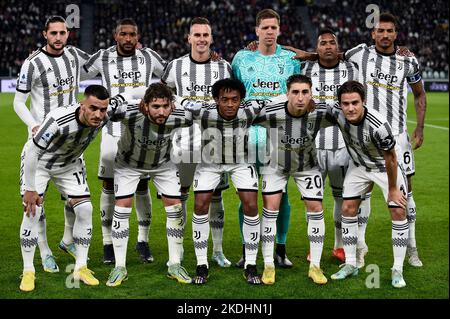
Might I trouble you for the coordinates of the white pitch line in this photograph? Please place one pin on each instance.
(433, 126)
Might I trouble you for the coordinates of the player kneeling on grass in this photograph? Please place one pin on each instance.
(292, 130)
(371, 145)
(144, 152)
(55, 155)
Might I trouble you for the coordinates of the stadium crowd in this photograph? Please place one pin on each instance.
(164, 26)
(424, 32)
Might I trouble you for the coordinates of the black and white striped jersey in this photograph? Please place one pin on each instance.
(325, 83)
(147, 145)
(194, 80)
(224, 141)
(366, 140)
(291, 139)
(62, 138)
(121, 73)
(52, 80)
(385, 78)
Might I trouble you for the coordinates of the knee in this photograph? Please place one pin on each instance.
(250, 208)
(398, 214)
(314, 206)
(348, 210)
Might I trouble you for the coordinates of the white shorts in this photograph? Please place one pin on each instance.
(309, 183)
(187, 172)
(334, 164)
(42, 189)
(208, 177)
(108, 151)
(70, 180)
(405, 154)
(165, 178)
(358, 181)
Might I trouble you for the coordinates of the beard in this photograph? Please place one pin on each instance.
(51, 45)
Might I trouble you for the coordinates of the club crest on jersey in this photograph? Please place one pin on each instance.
(215, 74)
(141, 60)
(400, 66)
(343, 73)
(281, 68)
(72, 63)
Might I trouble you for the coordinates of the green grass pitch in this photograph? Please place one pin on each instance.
(431, 190)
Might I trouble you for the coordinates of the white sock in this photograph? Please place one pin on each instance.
(29, 239)
(268, 233)
(175, 233)
(411, 216)
(120, 234)
(107, 212)
(82, 231)
(200, 235)
(337, 214)
(349, 238)
(144, 214)
(44, 249)
(184, 198)
(316, 236)
(216, 217)
(251, 229)
(69, 221)
(363, 218)
(399, 242)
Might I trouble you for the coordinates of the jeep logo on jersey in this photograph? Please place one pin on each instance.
(158, 143)
(127, 75)
(384, 76)
(199, 88)
(327, 87)
(62, 82)
(266, 85)
(290, 140)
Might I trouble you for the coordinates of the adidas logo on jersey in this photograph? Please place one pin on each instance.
(372, 60)
(49, 70)
(255, 185)
(251, 69)
(319, 193)
(185, 74)
(112, 62)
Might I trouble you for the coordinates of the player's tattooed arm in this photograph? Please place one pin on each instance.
(394, 194)
(404, 51)
(420, 103)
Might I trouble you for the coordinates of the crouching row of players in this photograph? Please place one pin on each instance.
(144, 151)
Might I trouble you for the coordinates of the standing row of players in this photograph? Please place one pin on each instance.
(264, 74)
